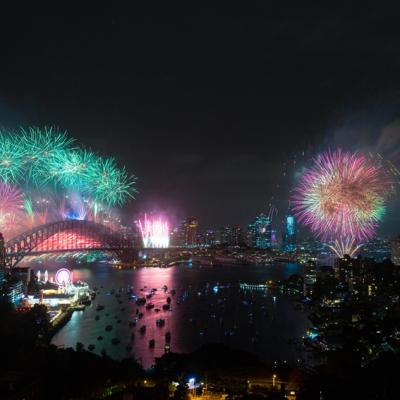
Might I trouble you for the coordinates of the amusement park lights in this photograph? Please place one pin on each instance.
(155, 232)
(341, 197)
(63, 277)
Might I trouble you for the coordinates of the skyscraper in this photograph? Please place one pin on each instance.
(259, 232)
(191, 226)
(289, 236)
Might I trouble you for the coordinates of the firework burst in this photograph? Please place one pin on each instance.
(342, 197)
(108, 184)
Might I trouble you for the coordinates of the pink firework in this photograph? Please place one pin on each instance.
(11, 199)
(155, 232)
(342, 196)
(11, 205)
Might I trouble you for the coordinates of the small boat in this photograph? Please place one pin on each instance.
(99, 337)
(168, 337)
(173, 291)
(149, 306)
(97, 317)
(142, 329)
(152, 342)
(168, 300)
(99, 307)
(141, 301)
(160, 322)
(140, 315)
(122, 309)
(157, 310)
(165, 288)
(165, 307)
(149, 296)
(108, 328)
(132, 323)
(91, 347)
(115, 341)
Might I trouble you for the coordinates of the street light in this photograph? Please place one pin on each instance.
(273, 380)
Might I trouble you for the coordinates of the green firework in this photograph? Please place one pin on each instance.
(70, 168)
(11, 158)
(109, 184)
(40, 147)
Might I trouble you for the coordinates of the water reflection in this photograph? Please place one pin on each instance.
(198, 313)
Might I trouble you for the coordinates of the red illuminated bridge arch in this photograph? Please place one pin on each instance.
(71, 235)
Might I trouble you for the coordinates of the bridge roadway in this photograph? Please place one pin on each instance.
(69, 235)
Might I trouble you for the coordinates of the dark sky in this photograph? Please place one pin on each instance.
(206, 105)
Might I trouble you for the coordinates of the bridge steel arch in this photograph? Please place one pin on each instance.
(24, 244)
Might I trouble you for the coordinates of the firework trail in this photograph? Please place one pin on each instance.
(155, 232)
(342, 198)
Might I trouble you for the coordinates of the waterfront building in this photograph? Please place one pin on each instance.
(259, 232)
(231, 236)
(309, 277)
(395, 250)
(14, 291)
(22, 274)
(289, 236)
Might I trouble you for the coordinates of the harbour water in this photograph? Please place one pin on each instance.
(208, 306)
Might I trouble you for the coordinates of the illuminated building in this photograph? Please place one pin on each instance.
(210, 238)
(191, 226)
(231, 235)
(259, 232)
(395, 250)
(14, 291)
(22, 274)
(289, 237)
(309, 277)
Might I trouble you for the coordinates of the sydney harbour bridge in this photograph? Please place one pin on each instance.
(65, 236)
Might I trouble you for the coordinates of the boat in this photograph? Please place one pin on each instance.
(149, 306)
(168, 300)
(152, 342)
(141, 301)
(149, 296)
(160, 322)
(165, 288)
(132, 323)
(99, 307)
(108, 328)
(165, 307)
(157, 310)
(79, 307)
(91, 347)
(142, 329)
(97, 317)
(115, 341)
(99, 337)
(173, 291)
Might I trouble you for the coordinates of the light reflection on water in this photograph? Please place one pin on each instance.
(249, 321)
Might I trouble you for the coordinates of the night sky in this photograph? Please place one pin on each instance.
(215, 110)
